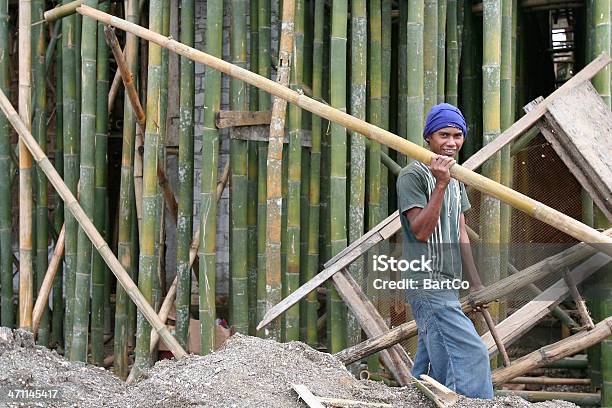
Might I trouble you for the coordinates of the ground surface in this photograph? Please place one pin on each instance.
(246, 372)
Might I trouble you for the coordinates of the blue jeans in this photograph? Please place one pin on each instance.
(449, 349)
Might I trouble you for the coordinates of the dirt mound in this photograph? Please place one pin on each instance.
(246, 372)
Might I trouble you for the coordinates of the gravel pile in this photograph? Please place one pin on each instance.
(246, 372)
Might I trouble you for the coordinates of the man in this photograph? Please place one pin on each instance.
(431, 205)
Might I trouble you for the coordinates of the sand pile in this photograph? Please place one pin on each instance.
(246, 372)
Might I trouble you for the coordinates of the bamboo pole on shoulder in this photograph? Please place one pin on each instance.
(275, 170)
(359, 47)
(519, 201)
(99, 271)
(26, 283)
(6, 251)
(148, 237)
(71, 164)
(126, 202)
(238, 184)
(294, 162)
(184, 225)
(39, 130)
(72, 204)
(210, 160)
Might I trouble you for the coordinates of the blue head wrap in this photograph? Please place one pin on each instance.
(444, 115)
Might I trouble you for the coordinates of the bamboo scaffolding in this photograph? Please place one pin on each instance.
(274, 176)
(71, 163)
(26, 283)
(99, 271)
(6, 251)
(184, 224)
(102, 247)
(150, 210)
(210, 156)
(126, 201)
(517, 200)
(555, 351)
(57, 324)
(359, 26)
(238, 171)
(39, 131)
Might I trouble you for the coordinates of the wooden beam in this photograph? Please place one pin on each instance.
(225, 119)
(307, 396)
(585, 318)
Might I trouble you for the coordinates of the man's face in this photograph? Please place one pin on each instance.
(446, 141)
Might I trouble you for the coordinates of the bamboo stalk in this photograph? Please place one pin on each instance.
(71, 164)
(359, 38)
(294, 162)
(552, 352)
(57, 324)
(580, 398)
(184, 225)
(403, 77)
(430, 54)
(62, 11)
(415, 68)
(263, 69)
(26, 283)
(210, 157)
(6, 251)
(274, 176)
(441, 48)
(452, 54)
(102, 247)
(150, 210)
(531, 207)
(39, 130)
(550, 381)
(99, 270)
(601, 21)
(238, 185)
(126, 202)
(338, 154)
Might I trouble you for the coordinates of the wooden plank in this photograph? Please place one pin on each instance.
(521, 321)
(225, 119)
(307, 396)
(524, 123)
(261, 133)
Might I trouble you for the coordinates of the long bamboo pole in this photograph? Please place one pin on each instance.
(26, 283)
(210, 160)
(238, 184)
(414, 61)
(98, 271)
(452, 54)
(275, 167)
(338, 155)
(430, 54)
(294, 162)
(71, 164)
(148, 237)
(126, 202)
(314, 191)
(441, 48)
(402, 73)
(6, 251)
(39, 130)
(102, 247)
(519, 201)
(359, 38)
(184, 225)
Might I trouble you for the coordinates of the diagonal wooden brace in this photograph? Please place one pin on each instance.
(585, 317)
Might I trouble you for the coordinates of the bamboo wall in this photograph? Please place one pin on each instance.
(232, 251)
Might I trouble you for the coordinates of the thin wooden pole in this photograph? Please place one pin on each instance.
(359, 38)
(6, 251)
(99, 270)
(72, 204)
(71, 165)
(275, 159)
(184, 225)
(26, 283)
(519, 201)
(238, 183)
(39, 130)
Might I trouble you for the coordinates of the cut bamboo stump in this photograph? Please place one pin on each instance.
(553, 352)
(98, 242)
